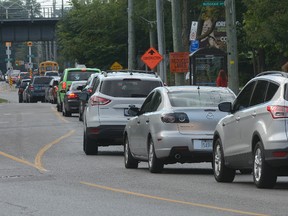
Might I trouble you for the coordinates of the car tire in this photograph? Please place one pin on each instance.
(89, 146)
(222, 173)
(129, 160)
(263, 175)
(64, 111)
(155, 165)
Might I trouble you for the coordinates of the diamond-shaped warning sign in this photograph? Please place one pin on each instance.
(151, 58)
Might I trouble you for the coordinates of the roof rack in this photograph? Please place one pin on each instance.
(280, 73)
(131, 71)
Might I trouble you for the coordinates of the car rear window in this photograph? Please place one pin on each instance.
(79, 75)
(199, 99)
(128, 87)
(42, 80)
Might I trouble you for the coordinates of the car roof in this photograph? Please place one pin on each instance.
(148, 75)
(277, 76)
(195, 88)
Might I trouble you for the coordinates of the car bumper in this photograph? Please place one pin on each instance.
(106, 135)
(73, 106)
(174, 147)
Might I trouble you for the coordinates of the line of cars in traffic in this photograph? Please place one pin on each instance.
(163, 125)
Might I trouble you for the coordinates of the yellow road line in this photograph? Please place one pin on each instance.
(172, 201)
(20, 160)
(38, 158)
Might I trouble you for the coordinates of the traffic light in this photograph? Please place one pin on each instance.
(17, 63)
(29, 43)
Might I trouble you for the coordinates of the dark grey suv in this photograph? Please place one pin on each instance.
(254, 136)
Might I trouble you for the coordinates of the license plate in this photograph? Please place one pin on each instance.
(202, 144)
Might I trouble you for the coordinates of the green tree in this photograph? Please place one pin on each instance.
(265, 26)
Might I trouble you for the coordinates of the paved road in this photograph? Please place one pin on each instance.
(43, 171)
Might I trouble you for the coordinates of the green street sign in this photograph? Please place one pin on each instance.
(8, 59)
(30, 56)
(211, 4)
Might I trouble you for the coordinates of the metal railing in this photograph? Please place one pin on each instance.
(16, 11)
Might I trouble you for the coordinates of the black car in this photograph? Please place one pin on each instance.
(88, 91)
(23, 84)
(36, 88)
(71, 98)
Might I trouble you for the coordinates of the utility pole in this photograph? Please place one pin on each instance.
(161, 39)
(131, 36)
(232, 53)
(177, 36)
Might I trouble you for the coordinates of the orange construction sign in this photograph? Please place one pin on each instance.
(151, 58)
(179, 62)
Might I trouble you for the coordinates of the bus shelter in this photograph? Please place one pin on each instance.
(204, 65)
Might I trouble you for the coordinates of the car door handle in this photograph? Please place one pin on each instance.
(254, 114)
(237, 118)
(147, 121)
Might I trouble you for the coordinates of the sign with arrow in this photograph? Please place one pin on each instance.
(151, 58)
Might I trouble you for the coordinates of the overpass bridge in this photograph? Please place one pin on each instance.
(20, 23)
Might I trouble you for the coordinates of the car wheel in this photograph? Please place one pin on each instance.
(80, 113)
(89, 146)
(64, 111)
(154, 164)
(263, 174)
(221, 172)
(129, 160)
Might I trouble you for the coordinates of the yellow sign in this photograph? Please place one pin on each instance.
(116, 66)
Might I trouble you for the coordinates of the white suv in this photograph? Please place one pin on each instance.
(253, 137)
(106, 112)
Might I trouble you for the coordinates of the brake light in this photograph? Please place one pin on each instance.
(31, 88)
(83, 70)
(95, 100)
(72, 96)
(64, 85)
(89, 90)
(175, 118)
(278, 111)
(280, 154)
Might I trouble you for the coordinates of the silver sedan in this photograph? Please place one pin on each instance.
(174, 124)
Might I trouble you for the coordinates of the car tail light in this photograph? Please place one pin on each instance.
(278, 111)
(64, 85)
(89, 90)
(175, 118)
(72, 96)
(280, 154)
(56, 88)
(31, 88)
(95, 100)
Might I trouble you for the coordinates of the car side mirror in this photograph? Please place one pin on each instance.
(133, 111)
(83, 96)
(225, 107)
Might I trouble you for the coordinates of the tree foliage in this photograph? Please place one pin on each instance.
(265, 25)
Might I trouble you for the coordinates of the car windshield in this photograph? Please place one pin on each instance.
(128, 87)
(75, 85)
(79, 75)
(51, 74)
(199, 98)
(42, 80)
